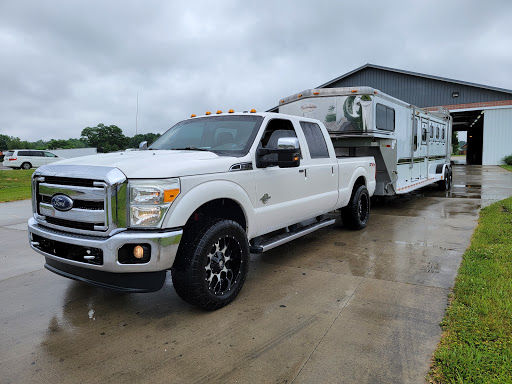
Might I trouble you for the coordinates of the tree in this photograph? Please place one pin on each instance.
(455, 143)
(137, 139)
(108, 138)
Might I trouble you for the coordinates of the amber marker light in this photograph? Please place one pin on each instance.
(170, 195)
(193, 115)
(354, 91)
(138, 252)
(316, 93)
(253, 110)
(219, 112)
(282, 101)
(231, 111)
(300, 95)
(208, 113)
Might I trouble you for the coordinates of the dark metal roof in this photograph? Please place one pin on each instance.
(414, 74)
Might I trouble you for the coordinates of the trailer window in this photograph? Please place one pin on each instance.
(385, 118)
(315, 139)
(431, 131)
(442, 134)
(424, 133)
(437, 132)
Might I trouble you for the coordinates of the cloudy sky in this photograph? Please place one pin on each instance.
(66, 65)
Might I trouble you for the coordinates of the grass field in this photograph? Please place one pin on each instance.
(15, 185)
(476, 346)
(507, 167)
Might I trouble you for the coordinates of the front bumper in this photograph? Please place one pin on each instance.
(64, 249)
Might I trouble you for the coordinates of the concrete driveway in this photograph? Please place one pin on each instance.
(336, 306)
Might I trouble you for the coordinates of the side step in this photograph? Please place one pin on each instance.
(283, 238)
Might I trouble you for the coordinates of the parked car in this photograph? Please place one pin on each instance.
(28, 158)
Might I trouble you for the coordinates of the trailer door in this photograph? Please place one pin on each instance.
(423, 148)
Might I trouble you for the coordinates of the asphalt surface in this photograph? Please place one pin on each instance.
(336, 306)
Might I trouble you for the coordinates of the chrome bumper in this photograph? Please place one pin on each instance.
(164, 246)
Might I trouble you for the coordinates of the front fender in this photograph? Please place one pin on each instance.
(188, 203)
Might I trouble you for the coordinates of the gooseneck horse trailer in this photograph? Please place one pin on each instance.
(411, 146)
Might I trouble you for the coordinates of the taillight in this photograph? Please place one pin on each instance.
(13, 158)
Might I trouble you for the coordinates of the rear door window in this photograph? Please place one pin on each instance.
(23, 153)
(315, 139)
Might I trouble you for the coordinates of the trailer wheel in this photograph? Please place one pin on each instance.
(212, 263)
(446, 183)
(356, 214)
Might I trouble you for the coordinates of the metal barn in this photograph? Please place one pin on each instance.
(483, 111)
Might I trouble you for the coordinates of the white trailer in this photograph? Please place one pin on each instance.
(411, 146)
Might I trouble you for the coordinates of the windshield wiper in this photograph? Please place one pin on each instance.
(191, 149)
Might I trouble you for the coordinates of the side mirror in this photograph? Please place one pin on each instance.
(143, 145)
(286, 155)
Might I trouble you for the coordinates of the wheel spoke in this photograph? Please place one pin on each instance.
(223, 265)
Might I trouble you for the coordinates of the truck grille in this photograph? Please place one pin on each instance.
(96, 202)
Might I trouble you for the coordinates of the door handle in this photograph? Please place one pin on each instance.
(301, 170)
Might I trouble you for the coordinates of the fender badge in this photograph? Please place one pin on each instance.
(265, 198)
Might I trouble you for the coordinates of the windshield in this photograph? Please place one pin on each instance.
(224, 135)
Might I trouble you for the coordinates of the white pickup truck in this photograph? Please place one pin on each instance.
(198, 201)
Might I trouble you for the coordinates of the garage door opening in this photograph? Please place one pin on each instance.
(470, 122)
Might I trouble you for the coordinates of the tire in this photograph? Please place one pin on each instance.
(446, 183)
(212, 263)
(356, 214)
(26, 165)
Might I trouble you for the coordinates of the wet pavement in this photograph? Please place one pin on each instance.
(336, 306)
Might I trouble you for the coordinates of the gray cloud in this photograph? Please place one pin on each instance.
(70, 64)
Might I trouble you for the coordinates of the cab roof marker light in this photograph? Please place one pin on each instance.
(208, 113)
(253, 110)
(231, 111)
(193, 115)
(219, 112)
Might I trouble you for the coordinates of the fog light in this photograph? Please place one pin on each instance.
(138, 252)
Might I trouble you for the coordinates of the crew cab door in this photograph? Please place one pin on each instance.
(286, 196)
(321, 173)
(280, 193)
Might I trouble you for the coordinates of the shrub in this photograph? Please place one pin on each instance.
(508, 160)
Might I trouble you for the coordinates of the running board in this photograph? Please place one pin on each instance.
(289, 236)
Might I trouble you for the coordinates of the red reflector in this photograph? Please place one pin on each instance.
(389, 146)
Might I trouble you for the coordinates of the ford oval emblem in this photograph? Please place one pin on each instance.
(62, 202)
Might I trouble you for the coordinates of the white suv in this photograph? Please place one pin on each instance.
(28, 158)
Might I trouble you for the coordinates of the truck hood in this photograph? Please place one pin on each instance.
(158, 164)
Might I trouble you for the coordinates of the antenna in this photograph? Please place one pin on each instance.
(137, 114)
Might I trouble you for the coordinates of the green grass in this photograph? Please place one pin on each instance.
(15, 185)
(476, 346)
(507, 167)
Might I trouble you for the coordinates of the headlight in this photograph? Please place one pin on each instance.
(150, 201)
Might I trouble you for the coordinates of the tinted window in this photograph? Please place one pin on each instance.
(23, 153)
(315, 139)
(224, 135)
(385, 118)
(431, 131)
(37, 153)
(10, 153)
(49, 154)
